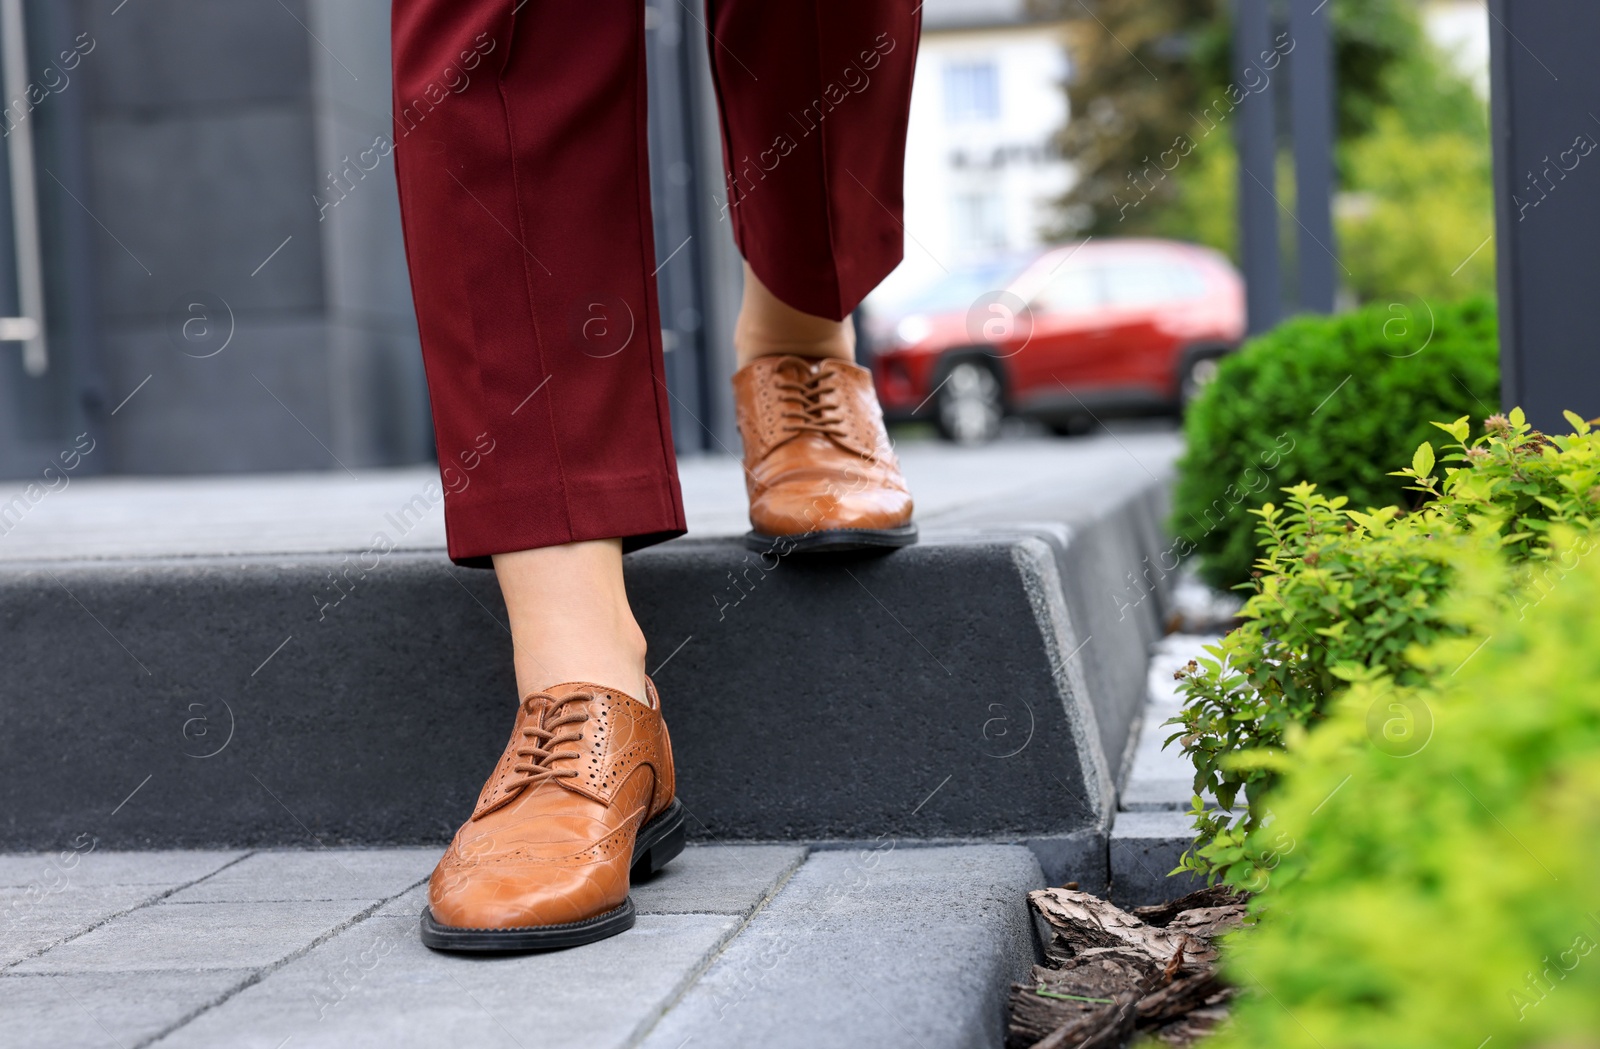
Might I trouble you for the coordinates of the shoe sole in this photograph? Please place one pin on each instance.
(834, 541)
(659, 841)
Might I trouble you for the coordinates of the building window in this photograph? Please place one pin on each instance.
(971, 91)
(980, 221)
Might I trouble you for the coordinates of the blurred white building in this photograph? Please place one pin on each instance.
(1460, 28)
(981, 170)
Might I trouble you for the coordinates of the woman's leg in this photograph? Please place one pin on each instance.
(570, 619)
(525, 194)
(520, 146)
(770, 327)
(815, 97)
(526, 201)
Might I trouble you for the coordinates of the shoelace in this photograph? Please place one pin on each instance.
(808, 401)
(540, 754)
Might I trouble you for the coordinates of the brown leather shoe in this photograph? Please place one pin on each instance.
(818, 465)
(582, 795)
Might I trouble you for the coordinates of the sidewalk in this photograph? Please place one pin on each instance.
(735, 946)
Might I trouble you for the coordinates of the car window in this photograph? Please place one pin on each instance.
(1185, 282)
(958, 289)
(1075, 290)
(1150, 283)
(1136, 284)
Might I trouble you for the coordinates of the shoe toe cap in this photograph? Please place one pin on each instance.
(797, 509)
(486, 898)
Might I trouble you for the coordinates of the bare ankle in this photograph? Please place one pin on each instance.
(767, 327)
(750, 345)
(570, 619)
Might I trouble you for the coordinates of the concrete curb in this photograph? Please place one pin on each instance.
(1144, 847)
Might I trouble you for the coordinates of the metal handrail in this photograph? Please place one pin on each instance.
(28, 329)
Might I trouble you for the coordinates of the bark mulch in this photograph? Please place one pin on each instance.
(1111, 974)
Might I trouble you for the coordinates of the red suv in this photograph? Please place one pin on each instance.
(1062, 335)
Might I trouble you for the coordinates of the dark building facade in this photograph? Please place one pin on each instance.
(223, 283)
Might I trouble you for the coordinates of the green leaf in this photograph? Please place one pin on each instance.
(1459, 429)
(1422, 461)
(1578, 425)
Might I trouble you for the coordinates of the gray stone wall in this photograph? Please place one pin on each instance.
(224, 266)
(268, 332)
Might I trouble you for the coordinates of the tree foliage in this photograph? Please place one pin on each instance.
(1145, 72)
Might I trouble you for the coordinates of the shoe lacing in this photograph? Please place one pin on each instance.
(808, 400)
(540, 754)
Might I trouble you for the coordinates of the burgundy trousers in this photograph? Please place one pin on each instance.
(525, 195)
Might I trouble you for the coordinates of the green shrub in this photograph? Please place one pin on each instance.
(1325, 398)
(1445, 898)
(1524, 479)
(1344, 594)
(1339, 589)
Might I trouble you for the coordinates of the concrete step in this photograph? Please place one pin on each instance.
(734, 946)
(979, 686)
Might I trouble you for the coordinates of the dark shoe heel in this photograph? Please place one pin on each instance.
(659, 842)
(652, 860)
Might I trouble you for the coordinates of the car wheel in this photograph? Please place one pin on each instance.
(969, 405)
(1197, 375)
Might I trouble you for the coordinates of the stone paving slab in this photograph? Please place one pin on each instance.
(718, 879)
(737, 945)
(199, 936)
(97, 866)
(103, 1011)
(887, 947)
(32, 923)
(704, 879)
(376, 985)
(314, 874)
(741, 945)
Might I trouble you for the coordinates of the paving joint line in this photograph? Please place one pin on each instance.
(123, 913)
(649, 1024)
(268, 899)
(267, 970)
(112, 972)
